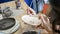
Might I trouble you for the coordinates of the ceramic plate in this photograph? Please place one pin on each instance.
(32, 20)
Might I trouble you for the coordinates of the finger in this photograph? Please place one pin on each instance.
(28, 11)
(31, 11)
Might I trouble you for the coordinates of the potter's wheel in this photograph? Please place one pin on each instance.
(9, 25)
(31, 20)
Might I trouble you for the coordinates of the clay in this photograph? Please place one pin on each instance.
(7, 23)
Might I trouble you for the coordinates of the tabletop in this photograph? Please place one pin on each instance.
(18, 17)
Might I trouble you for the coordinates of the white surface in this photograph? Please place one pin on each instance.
(16, 12)
(32, 20)
(1, 17)
(3, 33)
(13, 29)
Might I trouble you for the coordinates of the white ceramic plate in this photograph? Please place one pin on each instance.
(32, 20)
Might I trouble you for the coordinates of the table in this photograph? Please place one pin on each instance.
(18, 17)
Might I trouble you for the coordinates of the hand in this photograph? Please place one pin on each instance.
(30, 11)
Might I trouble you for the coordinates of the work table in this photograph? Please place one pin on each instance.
(18, 17)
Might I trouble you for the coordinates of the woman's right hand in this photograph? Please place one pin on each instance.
(30, 11)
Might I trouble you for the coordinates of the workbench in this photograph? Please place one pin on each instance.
(18, 17)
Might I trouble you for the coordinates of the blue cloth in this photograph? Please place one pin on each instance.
(29, 2)
(40, 5)
(2, 1)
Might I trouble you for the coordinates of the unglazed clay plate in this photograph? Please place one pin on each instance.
(32, 20)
